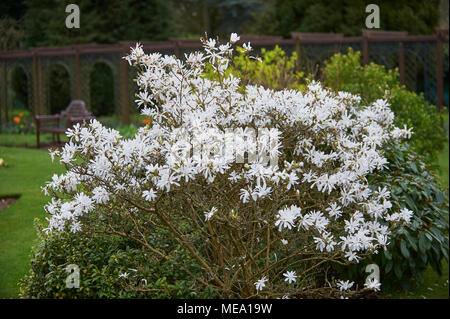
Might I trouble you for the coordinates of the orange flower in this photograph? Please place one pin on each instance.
(16, 119)
(20, 114)
(147, 121)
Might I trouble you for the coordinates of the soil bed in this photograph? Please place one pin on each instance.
(7, 201)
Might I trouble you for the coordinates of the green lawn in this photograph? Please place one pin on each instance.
(26, 140)
(27, 171)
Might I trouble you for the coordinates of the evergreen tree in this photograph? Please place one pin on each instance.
(215, 17)
(280, 17)
(12, 34)
(102, 21)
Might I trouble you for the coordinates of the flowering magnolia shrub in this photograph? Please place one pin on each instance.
(423, 242)
(262, 188)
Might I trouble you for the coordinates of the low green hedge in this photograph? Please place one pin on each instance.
(101, 260)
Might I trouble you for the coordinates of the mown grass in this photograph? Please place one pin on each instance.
(26, 140)
(27, 171)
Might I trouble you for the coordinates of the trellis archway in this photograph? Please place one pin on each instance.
(101, 89)
(388, 48)
(19, 80)
(58, 86)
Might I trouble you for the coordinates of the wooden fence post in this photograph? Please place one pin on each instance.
(298, 52)
(36, 96)
(177, 48)
(78, 64)
(401, 62)
(125, 93)
(440, 71)
(365, 49)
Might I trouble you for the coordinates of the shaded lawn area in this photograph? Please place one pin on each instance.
(27, 171)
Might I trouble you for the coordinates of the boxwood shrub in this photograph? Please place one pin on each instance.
(107, 267)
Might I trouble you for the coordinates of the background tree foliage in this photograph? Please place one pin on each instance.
(101, 21)
(280, 17)
(11, 34)
(36, 23)
(215, 17)
(111, 21)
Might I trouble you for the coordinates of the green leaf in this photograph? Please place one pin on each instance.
(411, 241)
(419, 276)
(422, 242)
(424, 258)
(406, 285)
(428, 242)
(398, 270)
(410, 203)
(404, 249)
(445, 252)
(387, 254)
(389, 265)
(439, 197)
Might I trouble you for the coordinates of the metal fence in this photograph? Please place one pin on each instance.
(419, 59)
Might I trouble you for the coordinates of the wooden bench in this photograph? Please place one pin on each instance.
(58, 124)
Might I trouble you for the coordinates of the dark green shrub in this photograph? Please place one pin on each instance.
(372, 82)
(101, 259)
(425, 240)
(128, 131)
